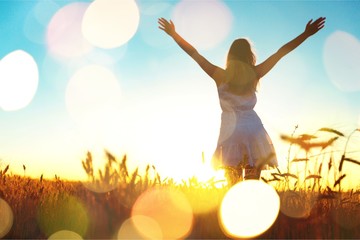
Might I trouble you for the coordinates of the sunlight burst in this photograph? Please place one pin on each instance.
(173, 124)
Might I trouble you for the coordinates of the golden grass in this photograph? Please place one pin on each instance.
(313, 203)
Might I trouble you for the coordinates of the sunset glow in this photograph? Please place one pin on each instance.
(103, 76)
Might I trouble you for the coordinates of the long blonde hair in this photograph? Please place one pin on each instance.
(240, 73)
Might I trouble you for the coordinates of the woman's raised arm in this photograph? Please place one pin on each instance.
(213, 71)
(310, 29)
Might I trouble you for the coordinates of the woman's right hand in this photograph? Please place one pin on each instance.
(313, 27)
(167, 26)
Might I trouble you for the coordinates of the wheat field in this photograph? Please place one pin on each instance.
(313, 202)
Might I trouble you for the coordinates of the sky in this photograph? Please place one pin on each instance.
(70, 85)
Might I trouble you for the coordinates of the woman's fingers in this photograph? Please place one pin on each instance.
(320, 22)
(162, 23)
(314, 26)
(309, 22)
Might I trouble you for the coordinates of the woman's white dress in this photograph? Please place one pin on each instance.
(243, 141)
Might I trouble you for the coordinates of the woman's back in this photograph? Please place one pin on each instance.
(230, 101)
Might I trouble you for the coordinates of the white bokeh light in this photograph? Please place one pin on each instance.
(63, 37)
(248, 209)
(110, 23)
(92, 96)
(203, 23)
(342, 60)
(19, 78)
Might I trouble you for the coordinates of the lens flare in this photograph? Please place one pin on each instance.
(6, 218)
(110, 23)
(248, 209)
(63, 36)
(204, 23)
(65, 234)
(150, 229)
(19, 78)
(169, 208)
(342, 60)
(63, 212)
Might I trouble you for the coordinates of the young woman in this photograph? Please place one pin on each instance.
(243, 142)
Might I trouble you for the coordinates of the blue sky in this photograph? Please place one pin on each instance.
(168, 106)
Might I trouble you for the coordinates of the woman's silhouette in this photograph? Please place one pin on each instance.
(243, 142)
